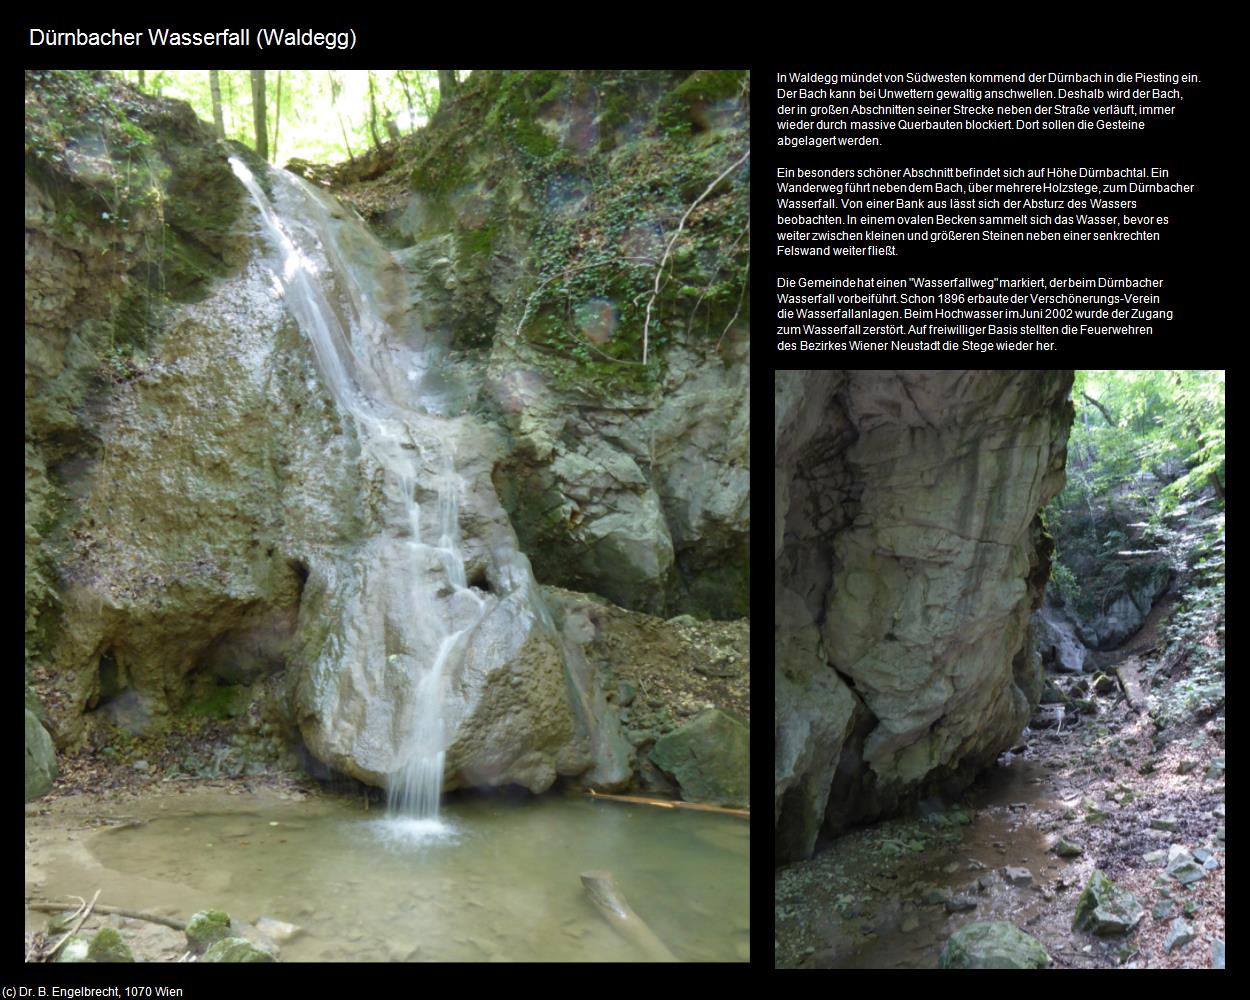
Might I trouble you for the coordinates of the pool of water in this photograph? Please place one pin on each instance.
(495, 880)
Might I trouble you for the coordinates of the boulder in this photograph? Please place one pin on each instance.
(205, 928)
(710, 759)
(1180, 934)
(992, 945)
(40, 758)
(1105, 908)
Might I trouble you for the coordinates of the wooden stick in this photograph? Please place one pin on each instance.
(610, 902)
(43, 906)
(74, 930)
(670, 803)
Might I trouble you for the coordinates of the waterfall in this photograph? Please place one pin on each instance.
(378, 381)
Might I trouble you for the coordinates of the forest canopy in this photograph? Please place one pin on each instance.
(323, 116)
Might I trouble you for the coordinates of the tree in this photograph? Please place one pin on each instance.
(373, 114)
(258, 113)
(214, 86)
(447, 85)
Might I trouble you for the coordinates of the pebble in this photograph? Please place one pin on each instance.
(957, 904)
(1164, 823)
(1018, 876)
(1067, 849)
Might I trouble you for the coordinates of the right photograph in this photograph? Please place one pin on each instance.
(999, 669)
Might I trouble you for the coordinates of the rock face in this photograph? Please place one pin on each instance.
(202, 511)
(908, 559)
(992, 945)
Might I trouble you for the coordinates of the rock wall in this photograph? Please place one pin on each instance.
(908, 558)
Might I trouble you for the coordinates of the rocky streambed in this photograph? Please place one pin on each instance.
(1022, 847)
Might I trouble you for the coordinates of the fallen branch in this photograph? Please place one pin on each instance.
(45, 906)
(608, 899)
(659, 271)
(670, 803)
(86, 912)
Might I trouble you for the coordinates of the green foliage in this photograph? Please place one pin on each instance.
(321, 115)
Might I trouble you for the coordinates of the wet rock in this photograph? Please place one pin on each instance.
(1067, 849)
(1105, 908)
(934, 896)
(992, 945)
(206, 928)
(1179, 934)
(277, 930)
(958, 904)
(236, 949)
(108, 946)
(1018, 876)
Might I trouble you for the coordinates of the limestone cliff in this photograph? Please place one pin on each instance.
(908, 558)
(199, 510)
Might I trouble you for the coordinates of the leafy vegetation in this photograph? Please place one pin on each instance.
(1144, 446)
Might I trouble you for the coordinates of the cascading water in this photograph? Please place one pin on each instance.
(428, 607)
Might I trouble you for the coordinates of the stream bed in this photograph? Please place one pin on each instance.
(496, 880)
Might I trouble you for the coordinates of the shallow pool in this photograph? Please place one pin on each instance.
(496, 881)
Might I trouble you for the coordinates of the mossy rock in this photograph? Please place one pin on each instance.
(108, 946)
(710, 758)
(74, 950)
(206, 928)
(992, 944)
(1105, 908)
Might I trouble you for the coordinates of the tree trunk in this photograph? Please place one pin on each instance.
(446, 86)
(140, 79)
(373, 114)
(258, 114)
(412, 112)
(214, 85)
(277, 116)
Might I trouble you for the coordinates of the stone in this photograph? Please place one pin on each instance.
(1057, 643)
(1185, 766)
(1104, 908)
(236, 949)
(1180, 934)
(40, 758)
(1182, 867)
(1168, 823)
(1018, 876)
(74, 950)
(1202, 855)
(1216, 771)
(277, 930)
(108, 946)
(910, 923)
(710, 759)
(205, 928)
(1163, 909)
(1217, 954)
(1103, 684)
(992, 945)
(1155, 857)
(1068, 849)
(958, 904)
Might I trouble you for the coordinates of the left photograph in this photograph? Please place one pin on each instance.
(387, 515)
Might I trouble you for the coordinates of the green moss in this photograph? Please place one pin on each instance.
(219, 701)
